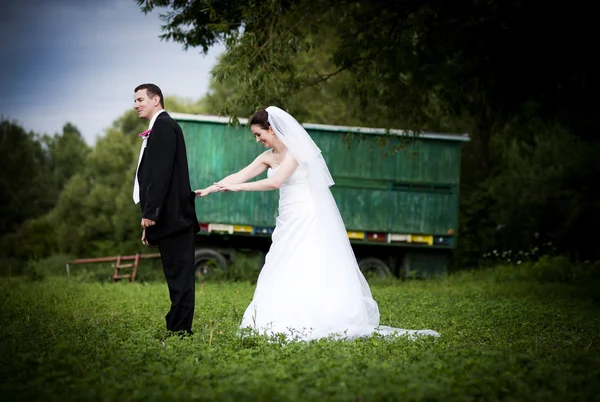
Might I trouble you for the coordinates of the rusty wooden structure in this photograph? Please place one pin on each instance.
(120, 264)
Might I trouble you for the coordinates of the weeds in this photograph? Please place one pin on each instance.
(503, 336)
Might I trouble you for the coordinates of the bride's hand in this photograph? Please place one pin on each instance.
(201, 193)
(206, 191)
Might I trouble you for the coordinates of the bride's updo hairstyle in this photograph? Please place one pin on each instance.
(261, 118)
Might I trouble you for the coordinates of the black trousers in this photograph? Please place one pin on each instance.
(177, 255)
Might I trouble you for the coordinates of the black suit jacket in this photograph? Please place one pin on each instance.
(165, 192)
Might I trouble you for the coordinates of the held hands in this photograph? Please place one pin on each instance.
(206, 191)
(228, 187)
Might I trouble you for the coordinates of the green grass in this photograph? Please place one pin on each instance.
(503, 337)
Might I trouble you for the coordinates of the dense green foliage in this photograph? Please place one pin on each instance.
(35, 169)
(510, 333)
(542, 192)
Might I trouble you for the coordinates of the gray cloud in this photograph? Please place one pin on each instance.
(78, 61)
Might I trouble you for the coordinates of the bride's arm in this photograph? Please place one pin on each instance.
(287, 167)
(255, 168)
(249, 172)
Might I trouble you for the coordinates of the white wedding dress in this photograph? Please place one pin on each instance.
(310, 286)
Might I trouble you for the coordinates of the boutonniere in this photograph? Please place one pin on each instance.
(144, 134)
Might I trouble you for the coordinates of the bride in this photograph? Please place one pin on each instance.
(310, 286)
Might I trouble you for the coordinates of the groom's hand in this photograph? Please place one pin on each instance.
(144, 240)
(147, 223)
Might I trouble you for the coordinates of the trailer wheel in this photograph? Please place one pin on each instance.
(209, 263)
(372, 266)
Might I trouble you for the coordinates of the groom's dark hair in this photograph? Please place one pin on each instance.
(153, 90)
(261, 118)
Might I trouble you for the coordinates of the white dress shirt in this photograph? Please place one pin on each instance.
(136, 183)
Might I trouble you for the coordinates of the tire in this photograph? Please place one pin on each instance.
(209, 264)
(372, 266)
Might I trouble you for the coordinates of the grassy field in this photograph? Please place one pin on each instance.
(503, 337)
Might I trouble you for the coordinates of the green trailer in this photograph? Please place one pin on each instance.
(398, 195)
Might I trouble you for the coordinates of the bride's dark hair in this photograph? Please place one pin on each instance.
(261, 118)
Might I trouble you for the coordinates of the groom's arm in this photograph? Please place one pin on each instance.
(160, 155)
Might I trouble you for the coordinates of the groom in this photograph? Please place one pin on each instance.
(162, 188)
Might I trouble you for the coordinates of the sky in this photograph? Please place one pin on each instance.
(78, 61)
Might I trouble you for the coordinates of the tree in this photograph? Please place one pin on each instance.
(67, 154)
(325, 102)
(547, 192)
(24, 166)
(481, 62)
(35, 169)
